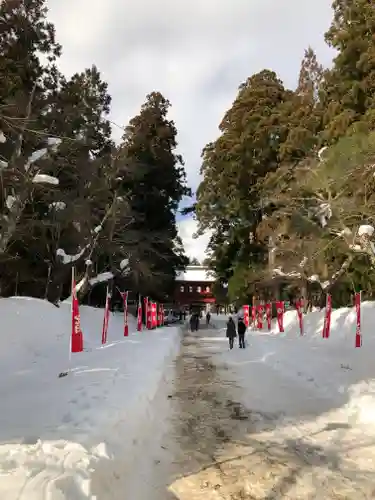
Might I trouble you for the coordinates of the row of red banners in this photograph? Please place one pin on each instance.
(260, 311)
(257, 315)
(154, 314)
(154, 317)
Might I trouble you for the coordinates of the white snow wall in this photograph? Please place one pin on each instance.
(136, 439)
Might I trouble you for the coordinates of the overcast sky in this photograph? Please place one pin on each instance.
(196, 52)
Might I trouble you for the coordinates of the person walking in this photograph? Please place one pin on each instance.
(231, 332)
(241, 327)
(193, 322)
(208, 317)
(197, 321)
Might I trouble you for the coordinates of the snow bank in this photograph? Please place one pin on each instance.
(337, 369)
(326, 374)
(308, 394)
(56, 432)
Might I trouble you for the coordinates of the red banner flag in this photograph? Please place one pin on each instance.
(260, 316)
(76, 339)
(327, 317)
(147, 312)
(126, 313)
(139, 316)
(246, 315)
(269, 315)
(162, 314)
(299, 307)
(253, 316)
(153, 315)
(280, 315)
(358, 336)
(159, 316)
(106, 318)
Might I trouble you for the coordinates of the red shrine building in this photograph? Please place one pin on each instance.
(194, 288)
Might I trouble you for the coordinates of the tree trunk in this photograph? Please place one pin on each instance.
(48, 281)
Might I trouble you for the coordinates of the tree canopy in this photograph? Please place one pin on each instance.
(288, 185)
(70, 196)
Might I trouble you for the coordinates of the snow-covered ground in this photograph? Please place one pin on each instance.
(333, 369)
(320, 391)
(98, 433)
(56, 433)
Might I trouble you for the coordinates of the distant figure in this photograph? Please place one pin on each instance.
(208, 317)
(241, 327)
(180, 316)
(231, 332)
(193, 322)
(197, 321)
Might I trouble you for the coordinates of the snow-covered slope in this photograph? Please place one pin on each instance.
(334, 367)
(321, 390)
(54, 430)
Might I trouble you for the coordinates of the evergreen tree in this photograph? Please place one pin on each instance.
(64, 217)
(302, 116)
(349, 87)
(228, 199)
(26, 87)
(25, 82)
(154, 176)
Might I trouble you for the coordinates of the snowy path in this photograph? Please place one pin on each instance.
(248, 429)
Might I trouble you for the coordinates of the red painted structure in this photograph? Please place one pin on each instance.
(194, 288)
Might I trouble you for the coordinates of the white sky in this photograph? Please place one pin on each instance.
(195, 52)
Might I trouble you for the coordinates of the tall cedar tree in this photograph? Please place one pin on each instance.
(155, 177)
(77, 114)
(302, 115)
(228, 200)
(25, 83)
(349, 88)
(26, 89)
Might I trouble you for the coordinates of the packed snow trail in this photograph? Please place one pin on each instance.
(247, 429)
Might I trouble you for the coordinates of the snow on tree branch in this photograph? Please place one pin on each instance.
(366, 230)
(321, 152)
(10, 201)
(101, 278)
(16, 201)
(57, 205)
(124, 264)
(70, 259)
(45, 179)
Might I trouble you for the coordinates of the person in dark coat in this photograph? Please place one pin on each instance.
(241, 327)
(231, 332)
(197, 321)
(208, 317)
(193, 322)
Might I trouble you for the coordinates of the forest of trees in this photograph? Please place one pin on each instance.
(69, 195)
(291, 179)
